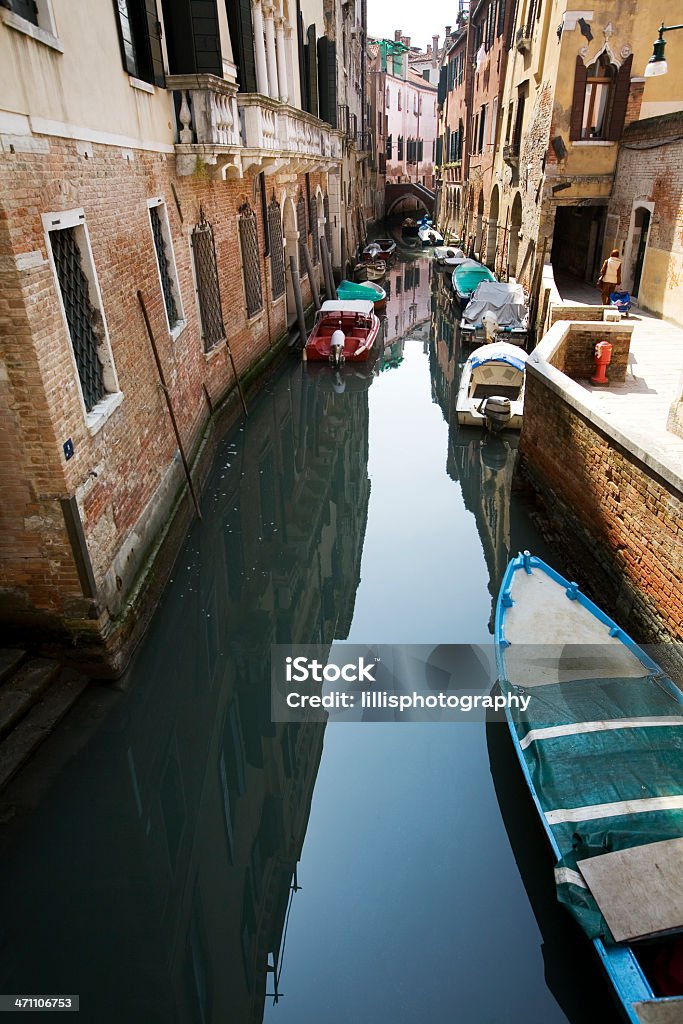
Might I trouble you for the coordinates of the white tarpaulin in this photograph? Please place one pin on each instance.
(505, 301)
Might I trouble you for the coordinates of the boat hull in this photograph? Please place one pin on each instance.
(536, 605)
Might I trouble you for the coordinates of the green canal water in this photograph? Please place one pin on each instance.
(173, 856)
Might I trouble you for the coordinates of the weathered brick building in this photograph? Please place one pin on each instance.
(182, 153)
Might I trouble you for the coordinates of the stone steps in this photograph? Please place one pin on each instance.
(35, 694)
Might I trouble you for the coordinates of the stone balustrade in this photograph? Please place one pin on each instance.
(235, 132)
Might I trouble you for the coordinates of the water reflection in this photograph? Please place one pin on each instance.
(156, 882)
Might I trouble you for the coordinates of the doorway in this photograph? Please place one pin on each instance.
(577, 241)
(641, 229)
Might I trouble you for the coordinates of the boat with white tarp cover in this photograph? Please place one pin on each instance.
(496, 308)
(601, 749)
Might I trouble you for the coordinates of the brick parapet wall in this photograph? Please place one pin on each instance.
(121, 471)
(575, 354)
(620, 523)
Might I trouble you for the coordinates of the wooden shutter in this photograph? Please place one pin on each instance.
(242, 39)
(126, 36)
(327, 80)
(312, 70)
(441, 94)
(620, 100)
(580, 77)
(154, 37)
(192, 37)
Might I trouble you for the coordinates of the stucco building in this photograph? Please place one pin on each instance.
(181, 153)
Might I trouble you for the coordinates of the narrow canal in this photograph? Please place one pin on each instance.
(148, 853)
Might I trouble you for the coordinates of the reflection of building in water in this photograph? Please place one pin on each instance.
(194, 804)
(408, 296)
(484, 464)
(443, 353)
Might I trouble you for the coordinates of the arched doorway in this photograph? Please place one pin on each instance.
(291, 244)
(515, 225)
(641, 229)
(492, 236)
(479, 233)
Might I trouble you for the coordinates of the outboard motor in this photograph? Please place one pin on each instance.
(497, 412)
(491, 325)
(337, 348)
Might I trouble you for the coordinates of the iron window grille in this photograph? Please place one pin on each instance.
(277, 256)
(301, 228)
(86, 327)
(250, 259)
(315, 242)
(164, 267)
(328, 226)
(208, 290)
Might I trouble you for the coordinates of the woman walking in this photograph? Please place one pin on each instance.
(610, 276)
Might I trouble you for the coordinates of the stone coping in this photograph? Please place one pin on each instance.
(639, 445)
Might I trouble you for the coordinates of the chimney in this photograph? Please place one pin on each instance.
(448, 30)
(429, 50)
(406, 41)
(397, 35)
(435, 50)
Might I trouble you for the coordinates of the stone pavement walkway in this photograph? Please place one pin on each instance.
(653, 378)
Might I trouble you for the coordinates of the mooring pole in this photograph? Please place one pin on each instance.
(169, 404)
(309, 270)
(330, 272)
(324, 252)
(296, 285)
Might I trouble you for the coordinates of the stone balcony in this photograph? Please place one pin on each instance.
(237, 133)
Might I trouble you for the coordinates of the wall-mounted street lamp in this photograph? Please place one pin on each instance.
(657, 63)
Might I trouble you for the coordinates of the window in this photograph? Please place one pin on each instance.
(277, 255)
(168, 275)
(597, 104)
(519, 124)
(388, 99)
(301, 228)
(251, 270)
(206, 281)
(390, 147)
(140, 39)
(81, 302)
(482, 128)
(400, 100)
(34, 18)
(400, 147)
(508, 127)
(494, 123)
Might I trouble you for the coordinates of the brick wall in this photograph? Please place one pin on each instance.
(124, 474)
(567, 312)
(575, 355)
(620, 525)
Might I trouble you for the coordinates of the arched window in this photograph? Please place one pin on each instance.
(250, 259)
(277, 259)
(388, 99)
(597, 105)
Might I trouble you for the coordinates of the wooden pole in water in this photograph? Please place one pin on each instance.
(237, 379)
(309, 270)
(327, 271)
(169, 404)
(296, 285)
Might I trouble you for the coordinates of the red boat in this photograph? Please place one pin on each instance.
(344, 331)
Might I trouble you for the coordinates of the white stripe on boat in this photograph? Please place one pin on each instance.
(570, 877)
(656, 803)
(578, 728)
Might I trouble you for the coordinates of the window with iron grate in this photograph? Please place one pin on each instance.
(301, 228)
(168, 275)
(81, 303)
(206, 277)
(277, 256)
(250, 259)
(315, 241)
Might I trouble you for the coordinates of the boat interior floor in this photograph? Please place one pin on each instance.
(499, 390)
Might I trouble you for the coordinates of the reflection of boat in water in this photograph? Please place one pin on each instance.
(372, 270)
(353, 377)
(344, 331)
(491, 391)
(496, 311)
(409, 227)
(599, 744)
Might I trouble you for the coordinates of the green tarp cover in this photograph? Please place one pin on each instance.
(582, 770)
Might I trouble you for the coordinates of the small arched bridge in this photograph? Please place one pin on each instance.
(393, 194)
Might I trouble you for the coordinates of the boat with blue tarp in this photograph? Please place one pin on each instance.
(601, 749)
(491, 389)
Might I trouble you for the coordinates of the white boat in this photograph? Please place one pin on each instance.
(599, 745)
(448, 256)
(491, 392)
(496, 310)
(429, 235)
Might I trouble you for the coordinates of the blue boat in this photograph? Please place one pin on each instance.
(467, 276)
(600, 743)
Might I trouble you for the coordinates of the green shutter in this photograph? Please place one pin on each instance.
(154, 37)
(327, 80)
(242, 39)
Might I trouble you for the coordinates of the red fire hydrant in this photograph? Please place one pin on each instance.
(603, 357)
